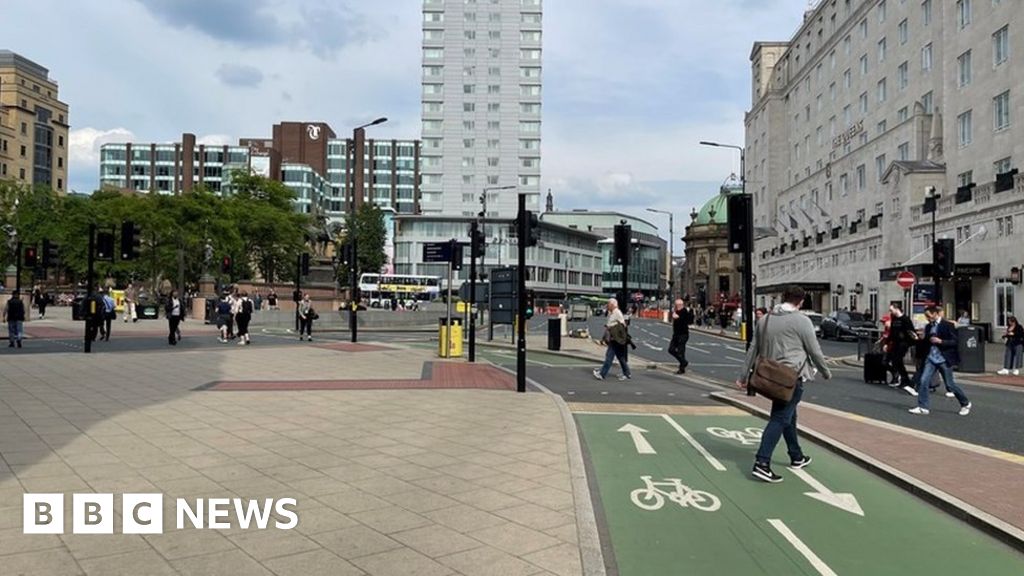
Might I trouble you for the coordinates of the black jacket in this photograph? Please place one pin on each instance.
(15, 310)
(681, 325)
(901, 332)
(170, 306)
(1015, 337)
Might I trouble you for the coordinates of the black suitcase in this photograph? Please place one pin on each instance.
(874, 368)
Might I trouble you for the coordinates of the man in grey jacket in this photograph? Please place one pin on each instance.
(787, 336)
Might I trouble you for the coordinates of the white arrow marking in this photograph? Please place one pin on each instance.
(802, 548)
(637, 434)
(843, 501)
(697, 446)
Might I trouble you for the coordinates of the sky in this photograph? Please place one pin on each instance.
(630, 86)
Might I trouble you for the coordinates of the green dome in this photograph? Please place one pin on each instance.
(719, 205)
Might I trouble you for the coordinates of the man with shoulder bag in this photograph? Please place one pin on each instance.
(783, 356)
(616, 338)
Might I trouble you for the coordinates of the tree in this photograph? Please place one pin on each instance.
(366, 225)
(271, 231)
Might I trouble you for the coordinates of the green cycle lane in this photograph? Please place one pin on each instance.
(671, 509)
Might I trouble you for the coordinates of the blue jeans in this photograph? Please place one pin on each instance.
(15, 330)
(612, 352)
(782, 423)
(1013, 356)
(947, 376)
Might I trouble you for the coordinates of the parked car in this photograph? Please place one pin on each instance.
(843, 324)
(816, 319)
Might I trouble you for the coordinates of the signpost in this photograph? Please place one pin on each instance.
(905, 279)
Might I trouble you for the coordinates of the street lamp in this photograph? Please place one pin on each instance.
(671, 253)
(482, 220)
(748, 278)
(358, 153)
(931, 199)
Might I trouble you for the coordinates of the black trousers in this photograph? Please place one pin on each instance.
(305, 326)
(896, 363)
(677, 348)
(172, 329)
(105, 327)
(243, 323)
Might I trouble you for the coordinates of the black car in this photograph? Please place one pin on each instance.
(840, 325)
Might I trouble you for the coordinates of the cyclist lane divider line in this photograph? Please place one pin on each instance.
(671, 513)
(696, 445)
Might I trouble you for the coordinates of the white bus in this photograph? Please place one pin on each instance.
(378, 289)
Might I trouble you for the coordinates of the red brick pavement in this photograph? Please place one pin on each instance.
(991, 481)
(443, 375)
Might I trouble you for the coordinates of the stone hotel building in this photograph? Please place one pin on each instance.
(867, 107)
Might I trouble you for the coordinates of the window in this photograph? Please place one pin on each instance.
(964, 66)
(881, 90)
(843, 185)
(493, 89)
(881, 127)
(494, 17)
(1001, 45)
(880, 166)
(494, 125)
(902, 114)
(927, 102)
(864, 65)
(903, 32)
(846, 79)
(965, 178)
(529, 36)
(863, 28)
(963, 13)
(433, 53)
(468, 162)
(433, 16)
(468, 88)
(492, 162)
(903, 151)
(467, 107)
(529, 127)
(466, 124)
(494, 35)
(23, 151)
(926, 57)
(433, 34)
(1004, 226)
(881, 50)
(881, 11)
(963, 129)
(1002, 166)
(529, 90)
(864, 103)
(529, 72)
(469, 34)
(902, 77)
(468, 143)
(529, 54)
(926, 12)
(862, 178)
(493, 144)
(493, 106)
(1001, 110)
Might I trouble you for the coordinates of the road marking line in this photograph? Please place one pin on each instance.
(735, 349)
(698, 349)
(802, 548)
(843, 501)
(696, 445)
(639, 442)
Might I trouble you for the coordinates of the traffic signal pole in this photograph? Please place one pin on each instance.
(17, 268)
(354, 290)
(474, 249)
(524, 231)
(87, 303)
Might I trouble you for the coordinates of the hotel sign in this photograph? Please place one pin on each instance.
(848, 135)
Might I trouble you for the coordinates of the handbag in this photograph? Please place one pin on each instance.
(773, 379)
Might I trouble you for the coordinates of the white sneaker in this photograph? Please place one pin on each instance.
(965, 410)
(919, 410)
(597, 374)
(1003, 372)
(623, 377)
(950, 395)
(221, 340)
(910, 390)
(241, 342)
(1016, 372)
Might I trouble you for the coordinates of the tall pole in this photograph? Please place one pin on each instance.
(474, 248)
(521, 298)
(358, 162)
(748, 257)
(935, 276)
(298, 290)
(671, 258)
(17, 267)
(87, 312)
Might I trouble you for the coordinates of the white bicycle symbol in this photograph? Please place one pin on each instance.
(653, 498)
(746, 436)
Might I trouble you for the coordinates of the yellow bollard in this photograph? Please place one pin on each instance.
(743, 331)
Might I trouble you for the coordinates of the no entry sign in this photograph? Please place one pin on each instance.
(905, 279)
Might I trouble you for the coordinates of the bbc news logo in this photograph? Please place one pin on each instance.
(144, 513)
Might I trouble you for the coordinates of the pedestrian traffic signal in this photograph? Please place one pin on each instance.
(531, 235)
(477, 241)
(304, 263)
(943, 258)
(528, 311)
(50, 254)
(346, 254)
(225, 265)
(623, 243)
(131, 240)
(105, 246)
(740, 219)
(30, 259)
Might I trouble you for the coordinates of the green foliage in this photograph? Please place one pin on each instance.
(257, 227)
(367, 224)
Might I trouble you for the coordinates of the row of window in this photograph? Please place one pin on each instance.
(432, 107)
(525, 126)
(470, 52)
(525, 90)
(437, 71)
(527, 36)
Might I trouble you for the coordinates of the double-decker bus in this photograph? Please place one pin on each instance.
(408, 289)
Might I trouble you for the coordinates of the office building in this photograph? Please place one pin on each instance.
(870, 105)
(33, 124)
(481, 105)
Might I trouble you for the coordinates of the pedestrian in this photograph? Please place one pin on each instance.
(243, 317)
(223, 318)
(14, 316)
(306, 317)
(236, 307)
(42, 301)
(900, 338)
(258, 301)
(786, 336)
(616, 338)
(1014, 355)
(131, 297)
(942, 356)
(174, 310)
(272, 300)
(759, 313)
(109, 314)
(35, 297)
(682, 317)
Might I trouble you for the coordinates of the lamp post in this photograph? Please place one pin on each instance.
(748, 250)
(671, 253)
(931, 197)
(482, 218)
(358, 153)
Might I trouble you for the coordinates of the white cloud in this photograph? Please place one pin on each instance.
(216, 140)
(84, 145)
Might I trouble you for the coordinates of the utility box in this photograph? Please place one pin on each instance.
(554, 334)
(971, 345)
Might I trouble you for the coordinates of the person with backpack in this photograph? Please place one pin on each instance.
(14, 316)
(243, 317)
(108, 315)
(224, 318)
(616, 338)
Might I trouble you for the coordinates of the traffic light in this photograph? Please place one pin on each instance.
(346, 254)
(50, 254)
(623, 243)
(131, 240)
(943, 258)
(304, 263)
(477, 241)
(528, 312)
(739, 215)
(225, 265)
(105, 246)
(532, 235)
(30, 260)
(456, 255)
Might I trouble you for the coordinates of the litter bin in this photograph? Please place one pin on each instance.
(210, 317)
(971, 345)
(146, 311)
(77, 312)
(554, 334)
(449, 342)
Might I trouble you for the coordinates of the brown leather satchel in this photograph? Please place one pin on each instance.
(773, 379)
